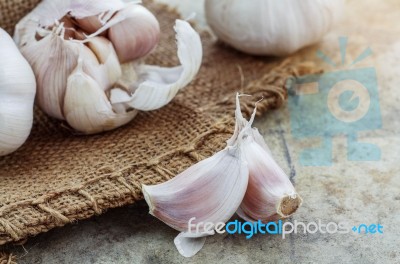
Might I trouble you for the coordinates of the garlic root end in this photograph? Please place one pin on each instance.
(288, 205)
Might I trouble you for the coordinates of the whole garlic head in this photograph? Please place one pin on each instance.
(17, 93)
(88, 59)
(268, 27)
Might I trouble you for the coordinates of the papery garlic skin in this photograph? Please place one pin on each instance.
(17, 93)
(158, 85)
(268, 27)
(118, 33)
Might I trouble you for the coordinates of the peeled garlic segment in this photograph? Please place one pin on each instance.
(209, 191)
(17, 93)
(86, 106)
(159, 85)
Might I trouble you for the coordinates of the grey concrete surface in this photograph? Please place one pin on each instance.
(355, 192)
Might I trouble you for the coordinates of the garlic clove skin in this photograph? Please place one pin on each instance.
(17, 93)
(209, 192)
(268, 27)
(188, 244)
(136, 35)
(92, 67)
(157, 85)
(86, 106)
(52, 59)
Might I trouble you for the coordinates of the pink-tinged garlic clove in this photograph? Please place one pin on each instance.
(136, 35)
(270, 194)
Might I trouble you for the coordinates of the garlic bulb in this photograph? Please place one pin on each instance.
(111, 83)
(17, 93)
(197, 201)
(268, 27)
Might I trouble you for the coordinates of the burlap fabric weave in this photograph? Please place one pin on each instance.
(59, 177)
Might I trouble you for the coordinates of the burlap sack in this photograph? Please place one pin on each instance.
(58, 177)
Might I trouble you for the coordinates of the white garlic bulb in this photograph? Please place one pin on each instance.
(17, 93)
(269, 27)
(111, 83)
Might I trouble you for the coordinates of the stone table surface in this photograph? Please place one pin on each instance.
(355, 192)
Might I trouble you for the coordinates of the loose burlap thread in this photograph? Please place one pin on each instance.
(58, 177)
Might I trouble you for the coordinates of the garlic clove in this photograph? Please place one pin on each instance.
(270, 194)
(105, 53)
(210, 190)
(207, 192)
(52, 59)
(129, 79)
(90, 24)
(92, 67)
(157, 85)
(136, 35)
(86, 106)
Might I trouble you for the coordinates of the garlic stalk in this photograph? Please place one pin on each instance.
(268, 27)
(17, 93)
(116, 35)
(209, 192)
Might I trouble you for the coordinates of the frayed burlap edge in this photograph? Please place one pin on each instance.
(6, 258)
